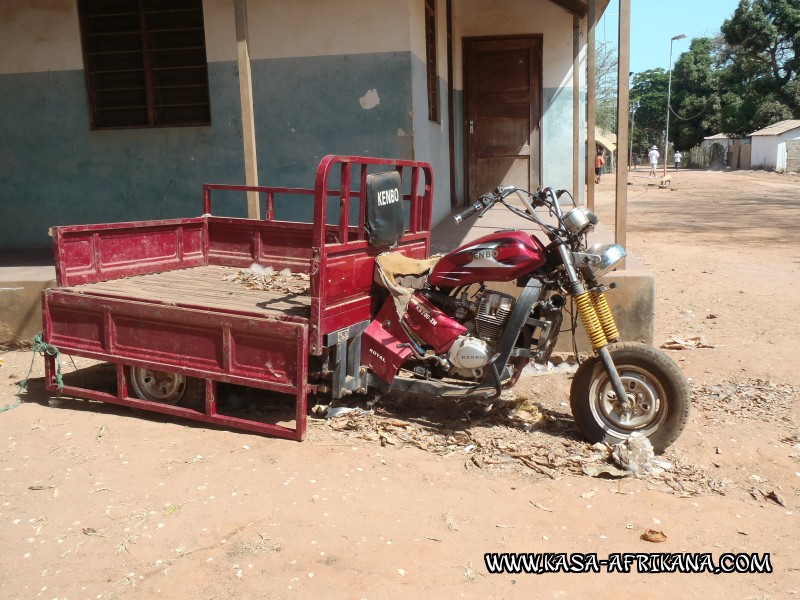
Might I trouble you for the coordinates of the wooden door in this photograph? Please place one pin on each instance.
(502, 129)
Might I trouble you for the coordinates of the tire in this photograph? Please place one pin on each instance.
(167, 388)
(660, 389)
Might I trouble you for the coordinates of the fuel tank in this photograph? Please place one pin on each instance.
(499, 256)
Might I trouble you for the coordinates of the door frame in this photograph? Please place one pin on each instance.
(536, 105)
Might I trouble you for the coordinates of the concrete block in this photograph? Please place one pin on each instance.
(20, 301)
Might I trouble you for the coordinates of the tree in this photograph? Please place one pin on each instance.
(761, 65)
(696, 102)
(649, 91)
(605, 86)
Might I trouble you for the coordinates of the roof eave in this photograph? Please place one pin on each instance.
(581, 7)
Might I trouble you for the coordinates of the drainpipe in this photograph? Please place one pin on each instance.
(248, 121)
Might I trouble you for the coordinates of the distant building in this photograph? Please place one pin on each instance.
(720, 138)
(777, 147)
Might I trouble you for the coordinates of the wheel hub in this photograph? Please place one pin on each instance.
(642, 407)
(158, 386)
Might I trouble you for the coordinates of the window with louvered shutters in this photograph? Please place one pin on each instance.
(145, 62)
(430, 60)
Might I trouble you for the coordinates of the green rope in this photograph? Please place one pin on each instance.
(42, 348)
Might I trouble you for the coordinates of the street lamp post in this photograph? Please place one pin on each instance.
(669, 93)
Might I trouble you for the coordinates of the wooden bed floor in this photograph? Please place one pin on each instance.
(201, 287)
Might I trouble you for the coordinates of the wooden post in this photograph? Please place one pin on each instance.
(576, 114)
(591, 63)
(623, 105)
(248, 122)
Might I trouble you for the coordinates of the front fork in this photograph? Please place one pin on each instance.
(599, 324)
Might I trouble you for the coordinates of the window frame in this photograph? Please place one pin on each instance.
(162, 100)
(431, 61)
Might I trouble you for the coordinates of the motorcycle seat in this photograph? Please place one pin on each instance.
(402, 275)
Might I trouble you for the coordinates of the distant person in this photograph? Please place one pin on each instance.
(653, 155)
(599, 163)
(678, 157)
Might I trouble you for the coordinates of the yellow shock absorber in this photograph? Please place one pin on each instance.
(590, 321)
(604, 314)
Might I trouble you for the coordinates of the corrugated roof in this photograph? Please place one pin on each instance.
(718, 136)
(779, 127)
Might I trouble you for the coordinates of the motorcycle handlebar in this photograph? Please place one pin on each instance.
(466, 214)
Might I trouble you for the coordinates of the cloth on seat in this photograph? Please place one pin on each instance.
(402, 275)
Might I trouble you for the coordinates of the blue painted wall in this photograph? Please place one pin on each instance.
(430, 138)
(557, 139)
(55, 171)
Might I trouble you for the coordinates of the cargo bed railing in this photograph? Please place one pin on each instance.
(342, 296)
(218, 345)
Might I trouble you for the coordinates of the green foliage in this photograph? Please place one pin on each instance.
(745, 79)
(606, 86)
(649, 94)
(761, 64)
(695, 97)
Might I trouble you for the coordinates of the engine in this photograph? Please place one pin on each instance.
(469, 354)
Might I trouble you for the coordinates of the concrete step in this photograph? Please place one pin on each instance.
(24, 274)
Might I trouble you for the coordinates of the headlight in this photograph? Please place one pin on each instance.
(579, 220)
(610, 256)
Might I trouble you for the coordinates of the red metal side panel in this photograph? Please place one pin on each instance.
(90, 253)
(77, 326)
(340, 290)
(241, 242)
(246, 350)
(349, 283)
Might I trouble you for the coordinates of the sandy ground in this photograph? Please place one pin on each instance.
(99, 502)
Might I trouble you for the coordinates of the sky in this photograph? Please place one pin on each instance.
(654, 23)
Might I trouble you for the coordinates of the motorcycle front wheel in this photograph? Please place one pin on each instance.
(656, 386)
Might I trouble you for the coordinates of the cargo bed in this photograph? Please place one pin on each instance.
(160, 294)
(208, 287)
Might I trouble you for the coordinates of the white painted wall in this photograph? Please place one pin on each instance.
(288, 28)
(769, 151)
(763, 152)
(794, 134)
(518, 17)
(44, 35)
(39, 35)
(220, 28)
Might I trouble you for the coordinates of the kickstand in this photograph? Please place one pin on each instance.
(498, 388)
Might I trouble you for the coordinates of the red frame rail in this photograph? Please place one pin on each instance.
(231, 346)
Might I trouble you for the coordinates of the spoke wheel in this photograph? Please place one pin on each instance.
(658, 398)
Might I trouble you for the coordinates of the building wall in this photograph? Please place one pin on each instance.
(55, 170)
(342, 77)
(763, 152)
(318, 89)
(770, 151)
(782, 157)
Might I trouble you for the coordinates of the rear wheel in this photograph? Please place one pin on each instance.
(166, 387)
(656, 387)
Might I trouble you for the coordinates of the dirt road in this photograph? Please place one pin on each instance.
(99, 502)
